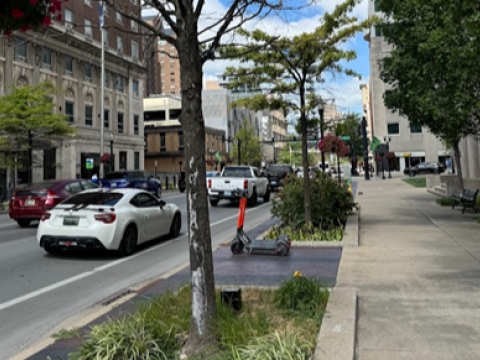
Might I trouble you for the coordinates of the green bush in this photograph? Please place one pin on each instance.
(330, 203)
(445, 201)
(275, 346)
(302, 295)
(307, 232)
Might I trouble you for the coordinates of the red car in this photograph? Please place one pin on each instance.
(29, 203)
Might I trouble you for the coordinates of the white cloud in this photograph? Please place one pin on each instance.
(346, 93)
(360, 11)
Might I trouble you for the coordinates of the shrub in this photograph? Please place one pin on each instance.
(445, 201)
(302, 295)
(275, 346)
(330, 203)
(307, 232)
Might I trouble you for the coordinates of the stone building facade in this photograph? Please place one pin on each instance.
(68, 54)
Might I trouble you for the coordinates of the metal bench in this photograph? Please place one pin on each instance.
(467, 198)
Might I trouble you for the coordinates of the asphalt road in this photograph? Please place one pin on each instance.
(39, 291)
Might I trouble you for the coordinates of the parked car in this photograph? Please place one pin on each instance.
(111, 219)
(425, 168)
(311, 172)
(30, 203)
(277, 173)
(232, 178)
(212, 174)
(136, 179)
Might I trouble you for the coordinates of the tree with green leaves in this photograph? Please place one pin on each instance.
(431, 71)
(250, 147)
(292, 65)
(27, 122)
(349, 127)
(291, 153)
(198, 37)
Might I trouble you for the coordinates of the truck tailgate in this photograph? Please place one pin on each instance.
(226, 184)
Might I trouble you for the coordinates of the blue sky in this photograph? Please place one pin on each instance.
(344, 89)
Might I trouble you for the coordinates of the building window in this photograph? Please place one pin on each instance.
(375, 5)
(134, 2)
(136, 160)
(68, 66)
(69, 111)
(120, 123)
(119, 17)
(68, 18)
(106, 82)
(123, 160)
(20, 50)
(105, 37)
(119, 45)
(49, 164)
(88, 28)
(135, 86)
(393, 129)
(136, 120)
(378, 30)
(106, 118)
(133, 25)
(89, 115)
(119, 83)
(415, 128)
(46, 58)
(180, 141)
(163, 146)
(88, 73)
(87, 2)
(134, 50)
(161, 42)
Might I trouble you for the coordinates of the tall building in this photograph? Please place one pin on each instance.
(365, 89)
(411, 143)
(68, 54)
(153, 81)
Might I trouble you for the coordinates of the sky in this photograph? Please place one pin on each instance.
(344, 89)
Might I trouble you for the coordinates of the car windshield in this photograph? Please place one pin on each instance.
(37, 189)
(116, 175)
(239, 172)
(277, 168)
(211, 174)
(94, 198)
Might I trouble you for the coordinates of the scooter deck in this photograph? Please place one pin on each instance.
(263, 245)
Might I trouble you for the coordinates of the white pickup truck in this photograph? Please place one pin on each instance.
(246, 178)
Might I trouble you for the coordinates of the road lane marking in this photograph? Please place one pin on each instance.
(98, 269)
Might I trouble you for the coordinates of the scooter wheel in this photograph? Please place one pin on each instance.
(282, 250)
(236, 247)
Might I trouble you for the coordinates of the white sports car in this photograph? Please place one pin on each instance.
(111, 219)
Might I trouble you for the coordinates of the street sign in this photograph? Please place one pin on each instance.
(89, 164)
(218, 156)
(345, 138)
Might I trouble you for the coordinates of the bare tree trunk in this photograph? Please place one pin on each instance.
(305, 164)
(200, 245)
(458, 155)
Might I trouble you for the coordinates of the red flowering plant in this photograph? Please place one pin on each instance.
(26, 15)
(390, 155)
(333, 144)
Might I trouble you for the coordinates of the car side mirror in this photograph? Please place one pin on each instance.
(162, 204)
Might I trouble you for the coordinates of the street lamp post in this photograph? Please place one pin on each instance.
(112, 165)
(365, 148)
(321, 111)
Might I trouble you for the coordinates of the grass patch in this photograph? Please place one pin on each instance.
(65, 334)
(306, 233)
(416, 182)
(273, 324)
(445, 201)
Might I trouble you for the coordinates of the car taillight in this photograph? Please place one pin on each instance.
(209, 183)
(45, 216)
(105, 218)
(245, 184)
(51, 199)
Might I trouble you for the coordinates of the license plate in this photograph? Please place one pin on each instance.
(70, 221)
(113, 185)
(29, 202)
(67, 243)
(274, 183)
(227, 193)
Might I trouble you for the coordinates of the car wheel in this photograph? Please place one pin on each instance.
(252, 200)
(213, 202)
(236, 247)
(176, 226)
(281, 249)
(158, 192)
(24, 222)
(129, 242)
(266, 197)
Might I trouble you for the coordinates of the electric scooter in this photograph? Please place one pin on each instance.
(280, 246)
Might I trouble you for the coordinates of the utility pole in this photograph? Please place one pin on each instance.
(365, 148)
(102, 86)
(239, 145)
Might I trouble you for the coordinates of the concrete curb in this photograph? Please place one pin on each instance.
(336, 339)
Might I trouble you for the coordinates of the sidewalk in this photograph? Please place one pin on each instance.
(417, 272)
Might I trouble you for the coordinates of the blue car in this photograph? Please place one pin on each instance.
(136, 179)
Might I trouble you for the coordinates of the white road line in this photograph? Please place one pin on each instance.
(83, 275)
